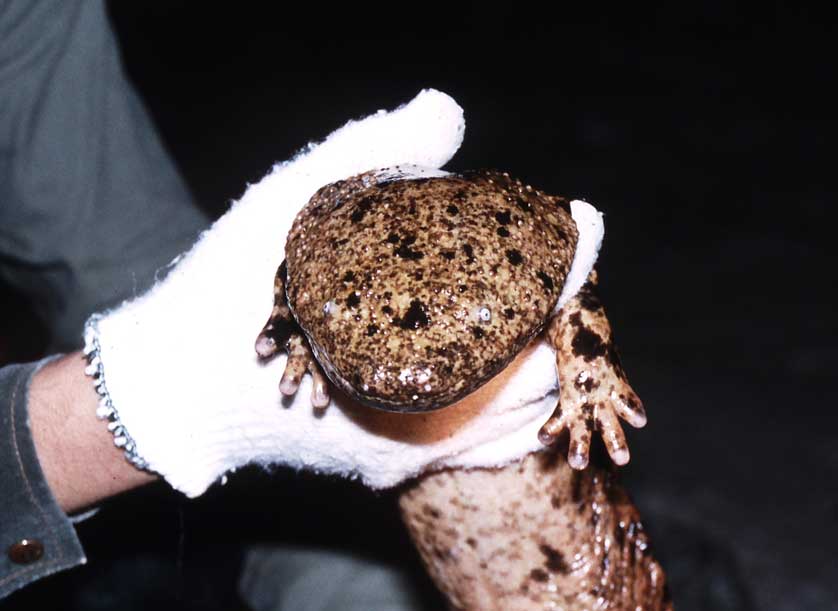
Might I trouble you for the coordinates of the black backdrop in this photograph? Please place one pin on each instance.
(705, 132)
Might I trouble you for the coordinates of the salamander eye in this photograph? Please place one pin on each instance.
(485, 314)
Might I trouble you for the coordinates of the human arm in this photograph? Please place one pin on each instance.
(76, 451)
(56, 459)
(91, 206)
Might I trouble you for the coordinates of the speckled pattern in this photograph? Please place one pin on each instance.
(534, 535)
(413, 293)
(594, 390)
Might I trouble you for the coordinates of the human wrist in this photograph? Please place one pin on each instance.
(76, 451)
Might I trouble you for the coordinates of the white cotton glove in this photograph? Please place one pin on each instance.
(187, 396)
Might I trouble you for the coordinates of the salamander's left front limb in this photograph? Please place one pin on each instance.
(592, 383)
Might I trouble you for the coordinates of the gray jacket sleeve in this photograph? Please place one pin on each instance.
(91, 207)
(37, 537)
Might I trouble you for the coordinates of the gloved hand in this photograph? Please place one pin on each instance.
(187, 396)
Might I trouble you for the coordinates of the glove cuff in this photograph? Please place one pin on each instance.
(106, 410)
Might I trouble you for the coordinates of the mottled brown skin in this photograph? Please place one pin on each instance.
(410, 265)
(406, 269)
(413, 293)
(593, 388)
(534, 535)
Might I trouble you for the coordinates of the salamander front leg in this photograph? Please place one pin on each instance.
(593, 389)
(282, 332)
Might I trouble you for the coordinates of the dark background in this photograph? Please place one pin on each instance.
(705, 132)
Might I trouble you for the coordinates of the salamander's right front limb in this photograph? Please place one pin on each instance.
(593, 387)
(282, 332)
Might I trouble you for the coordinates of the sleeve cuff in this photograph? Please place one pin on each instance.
(36, 536)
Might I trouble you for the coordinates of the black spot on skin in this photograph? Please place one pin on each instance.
(631, 402)
(371, 330)
(419, 275)
(576, 320)
(523, 204)
(462, 288)
(555, 501)
(281, 330)
(503, 218)
(363, 207)
(447, 254)
(588, 298)
(478, 332)
(539, 575)
(357, 381)
(353, 300)
(514, 257)
(452, 210)
(503, 232)
(554, 560)
(546, 280)
(405, 252)
(471, 542)
(349, 277)
(467, 248)
(588, 345)
(587, 385)
(460, 195)
(412, 208)
(387, 310)
(415, 316)
(509, 313)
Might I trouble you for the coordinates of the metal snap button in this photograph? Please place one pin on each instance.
(26, 551)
